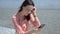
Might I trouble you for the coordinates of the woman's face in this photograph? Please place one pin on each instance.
(27, 9)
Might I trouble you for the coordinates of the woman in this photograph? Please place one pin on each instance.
(25, 15)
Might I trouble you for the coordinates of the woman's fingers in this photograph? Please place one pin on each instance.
(32, 17)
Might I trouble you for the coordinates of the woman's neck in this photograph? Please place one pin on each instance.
(21, 16)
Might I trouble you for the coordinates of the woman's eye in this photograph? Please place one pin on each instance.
(33, 9)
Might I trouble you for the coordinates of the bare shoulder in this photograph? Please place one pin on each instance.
(14, 16)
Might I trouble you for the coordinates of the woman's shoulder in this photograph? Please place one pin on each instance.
(14, 15)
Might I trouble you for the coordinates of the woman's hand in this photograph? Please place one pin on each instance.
(32, 17)
(34, 12)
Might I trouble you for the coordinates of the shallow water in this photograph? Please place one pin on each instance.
(49, 17)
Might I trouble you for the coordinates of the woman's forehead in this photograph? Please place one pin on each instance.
(29, 7)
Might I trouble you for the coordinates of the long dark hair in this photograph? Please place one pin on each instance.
(25, 3)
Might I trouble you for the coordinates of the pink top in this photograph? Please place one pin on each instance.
(24, 23)
(21, 22)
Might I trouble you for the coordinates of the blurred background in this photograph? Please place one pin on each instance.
(48, 12)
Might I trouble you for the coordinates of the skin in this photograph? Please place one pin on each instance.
(23, 28)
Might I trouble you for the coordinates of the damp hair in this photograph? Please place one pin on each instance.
(25, 3)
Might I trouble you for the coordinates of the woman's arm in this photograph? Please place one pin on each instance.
(17, 26)
(34, 19)
(34, 12)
